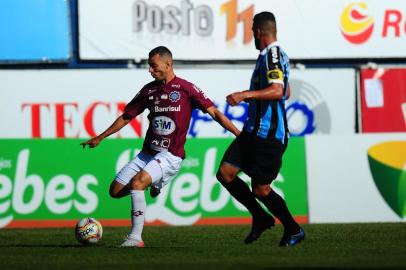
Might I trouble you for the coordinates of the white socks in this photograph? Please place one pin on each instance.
(138, 208)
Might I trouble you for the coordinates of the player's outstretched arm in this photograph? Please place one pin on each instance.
(220, 118)
(118, 124)
(272, 92)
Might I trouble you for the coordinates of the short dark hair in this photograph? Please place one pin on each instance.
(161, 50)
(265, 21)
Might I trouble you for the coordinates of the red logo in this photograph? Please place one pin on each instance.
(356, 24)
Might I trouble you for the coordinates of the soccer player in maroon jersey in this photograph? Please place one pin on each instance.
(170, 101)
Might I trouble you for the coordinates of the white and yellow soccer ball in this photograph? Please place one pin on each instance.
(88, 231)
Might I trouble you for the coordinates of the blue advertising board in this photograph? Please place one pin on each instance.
(35, 31)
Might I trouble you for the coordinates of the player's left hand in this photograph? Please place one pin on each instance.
(235, 98)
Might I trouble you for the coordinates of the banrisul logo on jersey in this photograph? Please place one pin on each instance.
(356, 24)
(387, 162)
(360, 23)
(41, 187)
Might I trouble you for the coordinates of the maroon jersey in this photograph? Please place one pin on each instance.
(170, 109)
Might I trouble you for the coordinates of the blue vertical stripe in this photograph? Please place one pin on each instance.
(280, 131)
(265, 124)
(251, 117)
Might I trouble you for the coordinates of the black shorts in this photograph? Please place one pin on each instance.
(260, 159)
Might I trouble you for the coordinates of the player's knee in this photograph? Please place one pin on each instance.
(261, 191)
(139, 182)
(224, 176)
(113, 192)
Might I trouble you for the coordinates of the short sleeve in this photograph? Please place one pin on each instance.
(199, 98)
(136, 106)
(274, 72)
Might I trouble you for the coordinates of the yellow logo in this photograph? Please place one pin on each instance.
(274, 74)
(356, 24)
(387, 162)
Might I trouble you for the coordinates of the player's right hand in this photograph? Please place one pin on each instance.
(92, 143)
(235, 98)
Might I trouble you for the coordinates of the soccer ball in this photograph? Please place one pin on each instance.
(88, 231)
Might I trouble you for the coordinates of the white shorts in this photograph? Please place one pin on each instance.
(162, 168)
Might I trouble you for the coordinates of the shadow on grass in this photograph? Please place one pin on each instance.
(84, 246)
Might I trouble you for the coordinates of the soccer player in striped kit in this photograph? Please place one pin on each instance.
(258, 150)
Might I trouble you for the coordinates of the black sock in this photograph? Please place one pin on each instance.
(242, 193)
(279, 209)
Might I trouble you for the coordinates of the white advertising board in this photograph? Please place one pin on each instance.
(356, 178)
(205, 30)
(82, 103)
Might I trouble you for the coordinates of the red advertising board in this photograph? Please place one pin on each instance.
(383, 100)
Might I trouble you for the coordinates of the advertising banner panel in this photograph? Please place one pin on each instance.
(216, 30)
(383, 100)
(54, 182)
(356, 178)
(82, 103)
(35, 31)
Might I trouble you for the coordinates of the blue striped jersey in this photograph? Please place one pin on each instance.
(267, 118)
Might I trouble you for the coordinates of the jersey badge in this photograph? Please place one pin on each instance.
(174, 96)
(274, 74)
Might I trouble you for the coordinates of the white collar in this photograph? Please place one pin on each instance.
(264, 51)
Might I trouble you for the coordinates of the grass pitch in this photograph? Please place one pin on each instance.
(378, 245)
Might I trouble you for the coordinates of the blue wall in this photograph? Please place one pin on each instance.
(35, 31)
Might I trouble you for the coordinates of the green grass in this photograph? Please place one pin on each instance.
(379, 245)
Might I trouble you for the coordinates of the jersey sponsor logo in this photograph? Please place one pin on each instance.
(274, 74)
(137, 213)
(160, 144)
(167, 109)
(152, 90)
(163, 125)
(176, 86)
(174, 96)
(275, 56)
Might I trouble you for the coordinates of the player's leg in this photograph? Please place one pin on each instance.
(261, 220)
(138, 185)
(118, 190)
(161, 168)
(123, 184)
(269, 162)
(277, 206)
(120, 186)
(227, 176)
(170, 166)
